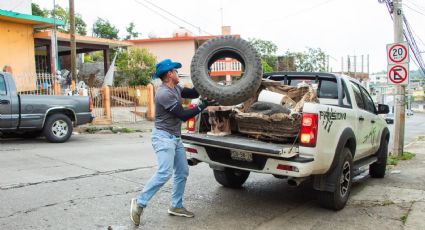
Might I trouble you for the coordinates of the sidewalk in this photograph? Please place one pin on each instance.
(415, 218)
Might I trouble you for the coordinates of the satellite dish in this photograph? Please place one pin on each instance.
(152, 35)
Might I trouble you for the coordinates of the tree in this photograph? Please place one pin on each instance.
(103, 29)
(37, 11)
(267, 50)
(63, 14)
(135, 66)
(314, 60)
(131, 33)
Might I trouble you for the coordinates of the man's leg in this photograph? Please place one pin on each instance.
(181, 171)
(164, 149)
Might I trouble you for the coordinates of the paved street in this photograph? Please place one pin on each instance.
(87, 183)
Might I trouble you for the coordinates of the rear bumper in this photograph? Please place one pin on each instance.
(263, 163)
(84, 118)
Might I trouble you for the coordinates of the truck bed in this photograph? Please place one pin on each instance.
(235, 141)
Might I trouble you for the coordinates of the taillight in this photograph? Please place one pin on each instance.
(190, 123)
(90, 104)
(308, 134)
(191, 150)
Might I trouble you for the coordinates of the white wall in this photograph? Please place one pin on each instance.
(19, 6)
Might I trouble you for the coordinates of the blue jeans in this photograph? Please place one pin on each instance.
(171, 156)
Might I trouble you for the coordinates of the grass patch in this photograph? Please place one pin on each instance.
(393, 160)
(403, 218)
(91, 129)
(387, 202)
(421, 138)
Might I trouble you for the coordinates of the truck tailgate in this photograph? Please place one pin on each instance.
(235, 141)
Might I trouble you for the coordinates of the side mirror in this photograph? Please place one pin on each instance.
(383, 109)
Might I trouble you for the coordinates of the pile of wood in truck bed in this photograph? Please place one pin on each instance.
(272, 121)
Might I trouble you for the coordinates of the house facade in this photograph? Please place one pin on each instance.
(17, 40)
(182, 46)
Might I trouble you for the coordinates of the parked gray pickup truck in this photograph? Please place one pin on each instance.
(31, 115)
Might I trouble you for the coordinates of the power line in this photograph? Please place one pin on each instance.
(414, 9)
(155, 11)
(171, 14)
(407, 31)
(417, 5)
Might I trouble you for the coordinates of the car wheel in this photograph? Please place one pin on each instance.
(57, 128)
(377, 169)
(338, 198)
(226, 47)
(231, 178)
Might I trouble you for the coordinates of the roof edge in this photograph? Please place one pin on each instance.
(30, 17)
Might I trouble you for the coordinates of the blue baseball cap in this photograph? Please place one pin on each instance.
(164, 66)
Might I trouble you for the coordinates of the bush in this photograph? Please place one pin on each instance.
(135, 67)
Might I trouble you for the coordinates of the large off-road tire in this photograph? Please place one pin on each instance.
(377, 169)
(231, 178)
(337, 199)
(227, 47)
(57, 128)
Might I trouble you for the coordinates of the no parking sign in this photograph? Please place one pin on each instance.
(398, 63)
(398, 74)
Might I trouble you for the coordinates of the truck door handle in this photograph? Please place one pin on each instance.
(361, 118)
(4, 102)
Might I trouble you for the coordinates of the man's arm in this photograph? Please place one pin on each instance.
(184, 114)
(189, 93)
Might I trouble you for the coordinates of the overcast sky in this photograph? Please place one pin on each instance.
(338, 27)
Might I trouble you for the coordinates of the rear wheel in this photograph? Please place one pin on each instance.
(377, 169)
(338, 198)
(231, 178)
(58, 128)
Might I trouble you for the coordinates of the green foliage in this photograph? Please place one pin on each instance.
(103, 29)
(263, 47)
(63, 14)
(87, 58)
(266, 67)
(135, 67)
(404, 218)
(393, 160)
(93, 56)
(314, 60)
(267, 50)
(37, 11)
(130, 32)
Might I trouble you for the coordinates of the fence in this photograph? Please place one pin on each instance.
(110, 104)
(36, 84)
(122, 104)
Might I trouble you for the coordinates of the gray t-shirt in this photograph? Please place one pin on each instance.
(166, 98)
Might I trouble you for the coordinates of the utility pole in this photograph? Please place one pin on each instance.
(73, 45)
(400, 90)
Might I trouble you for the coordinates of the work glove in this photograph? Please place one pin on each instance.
(205, 102)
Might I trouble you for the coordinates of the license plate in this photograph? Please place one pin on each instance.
(241, 156)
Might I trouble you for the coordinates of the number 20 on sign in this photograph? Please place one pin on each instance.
(397, 53)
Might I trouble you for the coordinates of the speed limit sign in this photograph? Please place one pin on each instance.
(397, 53)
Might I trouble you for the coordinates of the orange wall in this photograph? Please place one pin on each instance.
(180, 51)
(17, 48)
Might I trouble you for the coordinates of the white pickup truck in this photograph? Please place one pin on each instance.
(340, 138)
